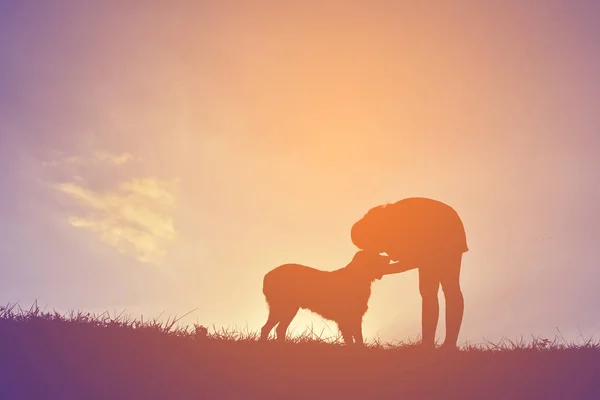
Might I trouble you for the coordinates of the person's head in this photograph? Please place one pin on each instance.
(365, 233)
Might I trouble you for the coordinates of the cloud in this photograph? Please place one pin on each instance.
(134, 219)
(113, 159)
(65, 161)
(98, 157)
(160, 191)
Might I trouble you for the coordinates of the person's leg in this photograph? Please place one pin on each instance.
(455, 304)
(430, 309)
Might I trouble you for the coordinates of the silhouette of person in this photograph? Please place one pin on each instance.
(425, 234)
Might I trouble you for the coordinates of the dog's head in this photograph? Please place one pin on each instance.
(370, 265)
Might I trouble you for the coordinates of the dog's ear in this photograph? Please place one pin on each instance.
(363, 258)
(360, 257)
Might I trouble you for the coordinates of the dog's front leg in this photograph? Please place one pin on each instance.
(347, 332)
(357, 332)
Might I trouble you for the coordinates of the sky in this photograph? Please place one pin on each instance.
(161, 158)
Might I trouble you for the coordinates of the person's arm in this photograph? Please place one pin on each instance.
(398, 267)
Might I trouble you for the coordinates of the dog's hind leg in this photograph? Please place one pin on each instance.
(285, 318)
(272, 320)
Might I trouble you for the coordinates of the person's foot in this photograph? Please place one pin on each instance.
(448, 348)
(427, 347)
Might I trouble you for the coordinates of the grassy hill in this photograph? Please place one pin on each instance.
(81, 356)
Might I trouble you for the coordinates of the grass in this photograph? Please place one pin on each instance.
(78, 355)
